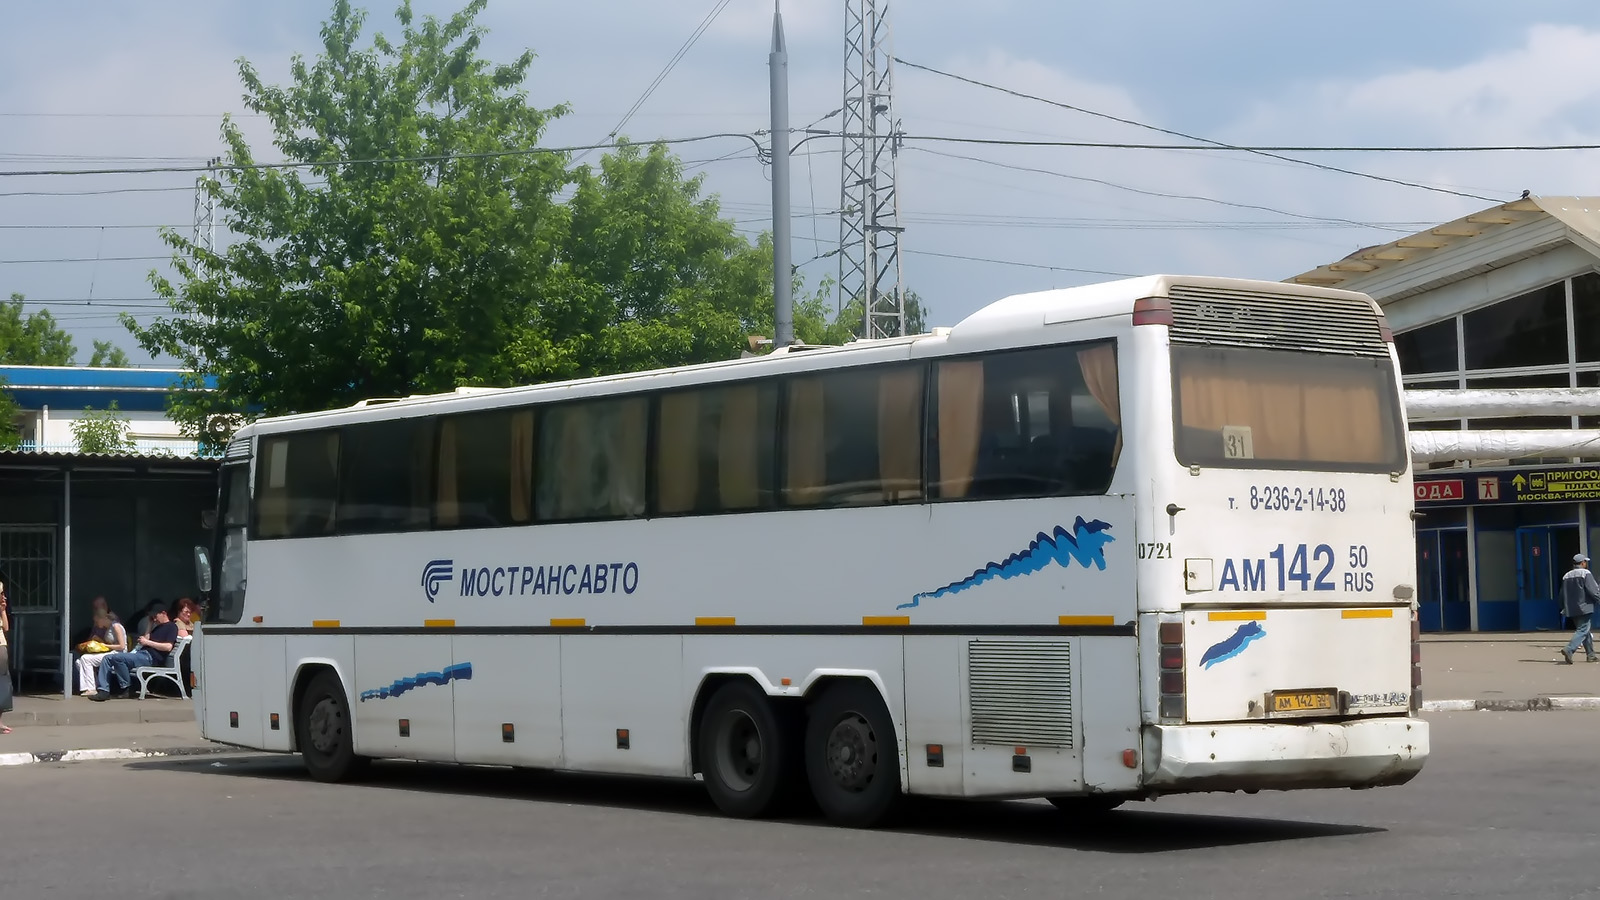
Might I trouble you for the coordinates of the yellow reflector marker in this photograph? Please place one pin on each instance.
(1367, 614)
(567, 623)
(704, 621)
(438, 623)
(886, 620)
(1088, 620)
(324, 623)
(1238, 615)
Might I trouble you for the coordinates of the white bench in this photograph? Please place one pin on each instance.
(173, 669)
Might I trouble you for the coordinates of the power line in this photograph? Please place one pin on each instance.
(1009, 262)
(125, 115)
(308, 164)
(1190, 137)
(82, 259)
(1161, 194)
(662, 75)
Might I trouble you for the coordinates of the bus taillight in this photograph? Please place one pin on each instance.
(1171, 682)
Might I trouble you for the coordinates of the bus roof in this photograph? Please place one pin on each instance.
(1016, 314)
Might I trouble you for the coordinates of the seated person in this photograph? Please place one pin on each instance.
(108, 632)
(152, 650)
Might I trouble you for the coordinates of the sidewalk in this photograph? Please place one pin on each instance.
(1505, 671)
(53, 709)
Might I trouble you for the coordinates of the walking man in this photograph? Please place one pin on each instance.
(1579, 594)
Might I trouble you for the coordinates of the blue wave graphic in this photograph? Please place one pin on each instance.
(1233, 645)
(1085, 544)
(457, 672)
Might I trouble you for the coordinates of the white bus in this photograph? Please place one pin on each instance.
(1112, 542)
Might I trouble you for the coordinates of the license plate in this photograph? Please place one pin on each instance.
(1302, 701)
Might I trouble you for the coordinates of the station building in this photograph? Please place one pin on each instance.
(1508, 297)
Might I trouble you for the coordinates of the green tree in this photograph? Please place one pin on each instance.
(352, 280)
(108, 356)
(102, 431)
(33, 339)
(481, 264)
(851, 320)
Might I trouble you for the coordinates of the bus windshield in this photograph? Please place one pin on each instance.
(1268, 409)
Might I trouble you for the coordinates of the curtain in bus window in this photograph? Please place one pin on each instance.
(960, 422)
(807, 450)
(447, 511)
(678, 452)
(624, 453)
(521, 465)
(1332, 403)
(1296, 407)
(900, 433)
(564, 463)
(272, 497)
(1099, 365)
(739, 447)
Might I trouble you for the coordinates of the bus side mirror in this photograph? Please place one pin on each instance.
(202, 569)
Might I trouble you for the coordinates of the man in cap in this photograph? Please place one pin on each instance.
(1579, 594)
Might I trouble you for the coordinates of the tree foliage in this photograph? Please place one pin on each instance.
(32, 339)
(464, 258)
(102, 431)
(107, 355)
(35, 339)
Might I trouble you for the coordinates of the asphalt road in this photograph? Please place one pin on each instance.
(1506, 808)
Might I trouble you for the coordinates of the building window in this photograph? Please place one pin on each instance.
(1431, 348)
(1586, 316)
(1530, 330)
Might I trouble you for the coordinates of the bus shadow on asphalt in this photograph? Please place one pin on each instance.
(1138, 827)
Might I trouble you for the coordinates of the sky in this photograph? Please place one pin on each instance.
(92, 84)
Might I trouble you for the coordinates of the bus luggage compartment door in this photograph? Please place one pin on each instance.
(1281, 663)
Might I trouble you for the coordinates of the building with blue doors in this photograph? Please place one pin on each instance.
(1508, 297)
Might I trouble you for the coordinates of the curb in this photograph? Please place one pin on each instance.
(50, 756)
(1534, 705)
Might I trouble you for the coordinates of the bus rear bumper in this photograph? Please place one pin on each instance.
(1284, 756)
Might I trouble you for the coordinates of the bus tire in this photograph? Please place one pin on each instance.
(748, 753)
(1087, 804)
(852, 755)
(325, 731)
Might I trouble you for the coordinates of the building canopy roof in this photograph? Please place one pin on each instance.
(1515, 230)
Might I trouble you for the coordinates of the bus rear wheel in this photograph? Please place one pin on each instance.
(852, 755)
(324, 731)
(748, 754)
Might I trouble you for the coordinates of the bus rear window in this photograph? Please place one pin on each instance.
(1267, 409)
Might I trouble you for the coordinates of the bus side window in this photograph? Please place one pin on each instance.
(298, 479)
(1028, 423)
(853, 437)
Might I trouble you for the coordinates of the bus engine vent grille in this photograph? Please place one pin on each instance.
(1347, 325)
(1020, 693)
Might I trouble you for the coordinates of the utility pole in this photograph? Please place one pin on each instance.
(782, 263)
(205, 209)
(869, 217)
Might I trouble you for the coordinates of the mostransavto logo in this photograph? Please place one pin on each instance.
(435, 573)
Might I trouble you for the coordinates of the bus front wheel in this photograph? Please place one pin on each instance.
(325, 731)
(852, 755)
(747, 754)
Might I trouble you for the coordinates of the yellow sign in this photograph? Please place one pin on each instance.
(1563, 484)
(1302, 701)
